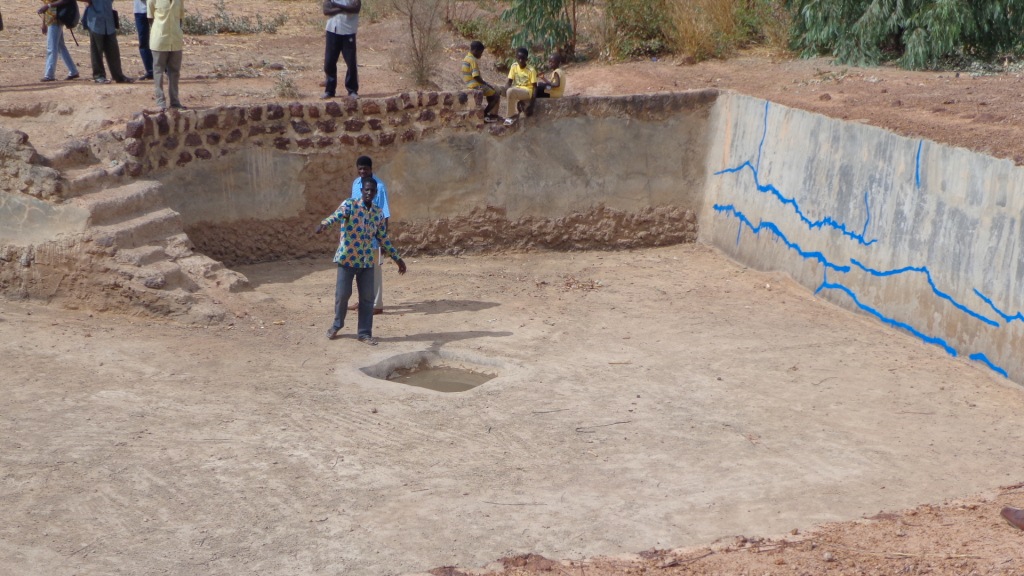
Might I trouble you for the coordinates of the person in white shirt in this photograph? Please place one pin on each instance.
(341, 40)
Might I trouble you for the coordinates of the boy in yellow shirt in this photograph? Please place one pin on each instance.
(522, 79)
(474, 81)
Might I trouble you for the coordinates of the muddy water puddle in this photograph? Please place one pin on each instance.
(440, 378)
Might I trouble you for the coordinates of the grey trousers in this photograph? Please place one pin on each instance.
(169, 64)
(378, 281)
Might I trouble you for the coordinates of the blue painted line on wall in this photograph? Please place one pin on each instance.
(827, 221)
(867, 210)
(980, 357)
(917, 165)
(764, 135)
(826, 285)
(1006, 317)
(931, 282)
(731, 210)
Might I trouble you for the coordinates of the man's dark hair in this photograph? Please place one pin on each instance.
(364, 161)
(371, 181)
(476, 45)
(523, 50)
(557, 58)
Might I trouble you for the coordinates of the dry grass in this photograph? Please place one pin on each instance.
(715, 28)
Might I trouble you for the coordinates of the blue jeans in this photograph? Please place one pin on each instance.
(54, 46)
(142, 29)
(343, 291)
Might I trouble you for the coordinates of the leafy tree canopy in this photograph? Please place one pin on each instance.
(917, 33)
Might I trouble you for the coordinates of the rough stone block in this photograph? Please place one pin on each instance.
(375, 123)
(134, 169)
(387, 138)
(391, 105)
(296, 110)
(184, 158)
(277, 128)
(313, 111)
(203, 154)
(274, 112)
(431, 99)
(163, 127)
(325, 142)
(213, 138)
(210, 120)
(364, 140)
(134, 129)
(333, 109)
(304, 143)
(255, 113)
(193, 139)
(135, 147)
(171, 142)
(282, 142)
(371, 107)
(327, 126)
(346, 140)
(426, 116)
(408, 101)
(449, 99)
(301, 127)
(234, 136)
(257, 129)
(354, 125)
(408, 135)
(399, 119)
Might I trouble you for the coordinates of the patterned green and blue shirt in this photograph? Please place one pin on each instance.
(359, 227)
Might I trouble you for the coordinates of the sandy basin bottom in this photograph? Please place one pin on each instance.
(655, 398)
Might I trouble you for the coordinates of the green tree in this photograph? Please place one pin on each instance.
(916, 33)
(549, 24)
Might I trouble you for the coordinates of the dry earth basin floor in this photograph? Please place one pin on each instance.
(656, 398)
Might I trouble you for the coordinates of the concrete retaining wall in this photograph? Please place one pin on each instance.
(923, 237)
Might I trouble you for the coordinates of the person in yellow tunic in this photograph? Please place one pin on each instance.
(554, 86)
(522, 79)
(474, 81)
(165, 41)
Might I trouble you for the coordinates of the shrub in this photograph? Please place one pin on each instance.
(637, 28)
(495, 34)
(714, 28)
(423, 23)
(224, 23)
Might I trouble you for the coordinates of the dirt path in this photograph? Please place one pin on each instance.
(681, 402)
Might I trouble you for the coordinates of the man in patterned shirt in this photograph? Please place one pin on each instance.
(471, 76)
(361, 223)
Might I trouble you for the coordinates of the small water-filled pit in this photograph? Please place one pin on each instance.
(433, 371)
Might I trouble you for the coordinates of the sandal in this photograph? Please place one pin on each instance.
(510, 121)
(368, 340)
(491, 119)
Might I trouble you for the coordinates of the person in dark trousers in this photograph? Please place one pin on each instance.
(99, 19)
(361, 223)
(341, 40)
(142, 31)
(364, 166)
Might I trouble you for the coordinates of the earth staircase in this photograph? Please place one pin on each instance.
(141, 240)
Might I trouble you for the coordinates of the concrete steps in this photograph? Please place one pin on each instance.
(149, 228)
(114, 205)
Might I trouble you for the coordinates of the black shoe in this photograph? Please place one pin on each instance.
(145, 77)
(71, 77)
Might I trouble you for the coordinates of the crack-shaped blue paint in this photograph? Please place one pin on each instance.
(1006, 317)
(764, 136)
(731, 210)
(826, 285)
(827, 221)
(917, 165)
(931, 282)
(980, 357)
(867, 210)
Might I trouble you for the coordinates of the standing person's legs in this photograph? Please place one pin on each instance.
(159, 70)
(348, 52)
(142, 30)
(364, 283)
(378, 282)
(173, 73)
(113, 54)
(62, 50)
(53, 31)
(342, 292)
(96, 56)
(332, 49)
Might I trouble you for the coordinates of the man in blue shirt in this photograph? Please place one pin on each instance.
(364, 165)
(99, 19)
